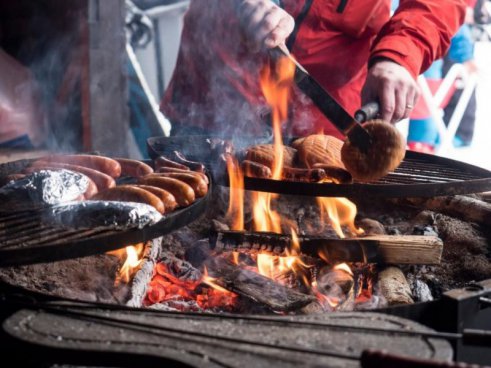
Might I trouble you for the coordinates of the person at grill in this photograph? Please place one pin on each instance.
(353, 48)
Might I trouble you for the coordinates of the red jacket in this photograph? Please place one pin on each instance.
(215, 83)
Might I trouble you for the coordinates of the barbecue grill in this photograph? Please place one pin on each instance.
(25, 239)
(419, 175)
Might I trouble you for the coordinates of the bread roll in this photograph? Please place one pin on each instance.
(320, 149)
(384, 155)
(264, 154)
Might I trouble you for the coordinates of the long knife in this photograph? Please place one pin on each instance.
(343, 121)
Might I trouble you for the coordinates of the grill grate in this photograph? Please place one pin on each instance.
(419, 175)
(24, 239)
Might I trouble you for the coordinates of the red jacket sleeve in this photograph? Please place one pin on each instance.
(419, 33)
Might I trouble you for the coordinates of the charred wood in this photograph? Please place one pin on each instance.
(459, 206)
(257, 287)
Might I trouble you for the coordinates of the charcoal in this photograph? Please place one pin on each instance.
(42, 188)
(106, 214)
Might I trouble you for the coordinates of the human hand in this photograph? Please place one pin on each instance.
(264, 24)
(393, 86)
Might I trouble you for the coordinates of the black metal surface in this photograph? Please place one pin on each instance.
(225, 340)
(367, 112)
(25, 239)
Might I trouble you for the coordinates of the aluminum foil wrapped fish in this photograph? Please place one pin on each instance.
(42, 188)
(106, 214)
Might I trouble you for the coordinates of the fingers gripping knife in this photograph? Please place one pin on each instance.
(344, 122)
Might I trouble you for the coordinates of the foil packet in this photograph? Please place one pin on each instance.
(42, 188)
(102, 214)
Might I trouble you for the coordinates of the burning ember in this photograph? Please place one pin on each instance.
(187, 295)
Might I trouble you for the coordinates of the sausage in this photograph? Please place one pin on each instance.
(104, 164)
(176, 170)
(101, 180)
(341, 175)
(166, 197)
(129, 193)
(91, 189)
(133, 168)
(161, 162)
(309, 175)
(7, 179)
(194, 181)
(255, 169)
(195, 166)
(183, 193)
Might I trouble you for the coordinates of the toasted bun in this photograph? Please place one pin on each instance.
(384, 155)
(320, 149)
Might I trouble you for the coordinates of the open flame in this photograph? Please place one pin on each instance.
(275, 80)
(133, 257)
(338, 212)
(274, 267)
(235, 212)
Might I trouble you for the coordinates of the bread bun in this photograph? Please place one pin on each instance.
(320, 149)
(384, 155)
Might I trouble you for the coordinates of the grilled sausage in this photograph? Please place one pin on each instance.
(256, 169)
(7, 179)
(195, 166)
(176, 170)
(183, 193)
(161, 162)
(341, 175)
(101, 180)
(194, 181)
(104, 164)
(91, 189)
(129, 193)
(308, 175)
(133, 168)
(166, 197)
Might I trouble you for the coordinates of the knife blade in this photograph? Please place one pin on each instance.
(339, 117)
(335, 250)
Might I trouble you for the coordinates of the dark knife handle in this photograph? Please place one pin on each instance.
(367, 112)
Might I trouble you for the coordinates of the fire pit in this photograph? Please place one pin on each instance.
(257, 278)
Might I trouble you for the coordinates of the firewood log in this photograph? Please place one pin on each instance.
(459, 206)
(394, 286)
(257, 287)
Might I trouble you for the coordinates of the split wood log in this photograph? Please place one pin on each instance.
(459, 206)
(391, 249)
(257, 287)
(139, 284)
(394, 287)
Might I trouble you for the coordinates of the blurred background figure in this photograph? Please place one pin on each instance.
(22, 122)
(423, 134)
